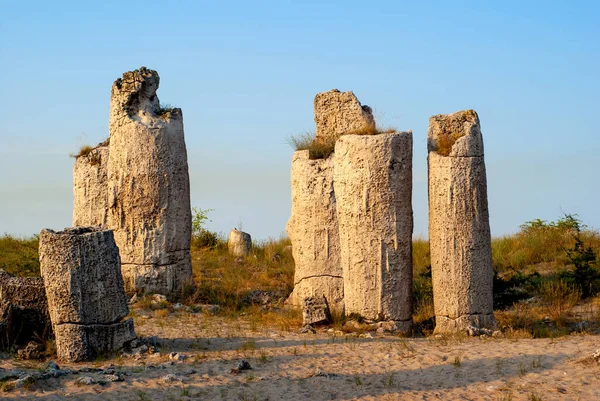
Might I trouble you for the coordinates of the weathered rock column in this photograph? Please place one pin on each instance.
(89, 187)
(86, 297)
(239, 243)
(313, 231)
(313, 225)
(339, 113)
(373, 187)
(459, 230)
(27, 299)
(148, 187)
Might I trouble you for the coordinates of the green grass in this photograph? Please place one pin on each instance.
(19, 255)
(227, 280)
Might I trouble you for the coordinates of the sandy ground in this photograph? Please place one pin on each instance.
(325, 366)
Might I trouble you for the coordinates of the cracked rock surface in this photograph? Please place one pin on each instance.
(84, 287)
(313, 231)
(137, 184)
(459, 230)
(373, 187)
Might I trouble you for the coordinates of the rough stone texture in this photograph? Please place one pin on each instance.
(459, 231)
(315, 310)
(148, 187)
(313, 231)
(84, 342)
(82, 275)
(338, 113)
(6, 325)
(89, 187)
(373, 187)
(239, 243)
(27, 298)
(86, 296)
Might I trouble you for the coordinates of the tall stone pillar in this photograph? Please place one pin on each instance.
(313, 231)
(373, 187)
(459, 230)
(86, 298)
(313, 225)
(148, 188)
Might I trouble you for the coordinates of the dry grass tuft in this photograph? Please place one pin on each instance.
(323, 148)
(445, 142)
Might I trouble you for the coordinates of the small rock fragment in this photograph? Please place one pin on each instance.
(85, 380)
(307, 329)
(315, 310)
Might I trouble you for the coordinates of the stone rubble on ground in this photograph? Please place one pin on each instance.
(315, 311)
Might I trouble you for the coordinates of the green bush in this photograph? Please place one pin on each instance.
(19, 256)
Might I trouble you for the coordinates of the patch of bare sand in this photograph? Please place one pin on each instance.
(291, 366)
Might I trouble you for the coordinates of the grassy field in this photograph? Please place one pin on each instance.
(546, 278)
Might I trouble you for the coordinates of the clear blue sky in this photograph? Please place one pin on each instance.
(245, 75)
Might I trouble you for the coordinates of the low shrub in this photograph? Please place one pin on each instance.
(19, 256)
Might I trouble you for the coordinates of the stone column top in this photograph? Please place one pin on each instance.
(74, 231)
(135, 94)
(455, 135)
(338, 113)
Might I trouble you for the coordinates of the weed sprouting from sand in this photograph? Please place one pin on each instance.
(457, 361)
(535, 397)
(358, 380)
(264, 358)
(500, 366)
(142, 396)
(522, 369)
(249, 345)
(389, 381)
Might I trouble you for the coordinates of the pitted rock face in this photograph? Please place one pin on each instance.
(26, 297)
(148, 189)
(239, 243)
(459, 232)
(338, 113)
(90, 178)
(313, 231)
(457, 134)
(135, 93)
(82, 275)
(373, 188)
(86, 296)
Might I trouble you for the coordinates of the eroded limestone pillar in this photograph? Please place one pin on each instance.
(373, 187)
(459, 230)
(338, 113)
(313, 231)
(239, 243)
(89, 187)
(148, 189)
(84, 287)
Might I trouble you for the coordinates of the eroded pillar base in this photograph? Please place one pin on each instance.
(444, 324)
(84, 342)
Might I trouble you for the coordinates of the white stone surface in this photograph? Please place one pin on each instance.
(459, 231)
(373, 187)
(148, 187)
(313, 231)
(338, 113)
